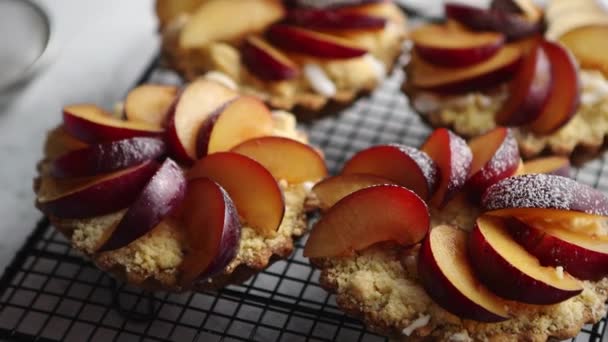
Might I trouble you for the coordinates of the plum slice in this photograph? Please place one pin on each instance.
(452, 46)
(453, 158)
(159, 197)
(93, 196)
(150, 103)
(285, 158)
(330, 190)
(253, 190)
(199, 100)
(510, 271)
(92, 124)
(107, 157)
(448, 278)
(403, 165)
(239, 120)
(492, 71)
(212, 230)
(266, 62)
(299, 40)
(495, 157)
(582, 256)
(554, 165)
(354, 223)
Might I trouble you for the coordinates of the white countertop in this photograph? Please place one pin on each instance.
(103, 46)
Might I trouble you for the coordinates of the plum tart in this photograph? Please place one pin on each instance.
(180, 189)
(307, 56)
(485, 68)
(472, 244)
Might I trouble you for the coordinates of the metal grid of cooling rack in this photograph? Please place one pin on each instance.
(50, 293)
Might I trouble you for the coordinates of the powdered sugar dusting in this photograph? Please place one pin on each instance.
(545, 192)
(461, 158)
(417, 323)
(505, 158)
(424, 162)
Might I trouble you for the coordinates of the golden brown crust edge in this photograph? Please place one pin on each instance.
(237, 276)
(376, 323)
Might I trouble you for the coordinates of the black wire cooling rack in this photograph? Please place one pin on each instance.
(50, 293)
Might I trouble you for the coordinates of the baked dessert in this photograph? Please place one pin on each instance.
(180, 189)
(457, 242)
(307, 56)
(508, 75)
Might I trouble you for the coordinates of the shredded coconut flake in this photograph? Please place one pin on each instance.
(377, 65)
(319, 81)
(222, 79)
(559, 270)
(426, 102)
(417, 323)
(460, 337)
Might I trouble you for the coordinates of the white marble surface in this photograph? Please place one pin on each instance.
(102, 47)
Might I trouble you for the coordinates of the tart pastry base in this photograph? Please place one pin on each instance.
(152, 261)
(380, 286)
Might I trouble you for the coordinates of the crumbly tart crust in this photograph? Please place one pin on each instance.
(380, 285)
(152, 261)
(352, 77)
(472, 114)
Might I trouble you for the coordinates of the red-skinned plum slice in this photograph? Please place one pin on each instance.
(453, 158)
(495, 157)
(323, 19)
(554, 165)
(528, 90)
(582, 256)
(403, 165)
(92, 124)
(508, 270)
(447, 276)
(330, 190)
(513, 25)
(212, 230)
(452, 46)
(254, 191)
(93, 196)
(285, 158)
(239, 120)
(540, 195)
(299, 40)
(353, 223)
(160, 196)
(149, 103)
(266, 62)
(193, 106)
(107, 157)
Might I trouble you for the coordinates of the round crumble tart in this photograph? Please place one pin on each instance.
(554, 96)
(153, 260)
(303, 56)
(378, 265)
